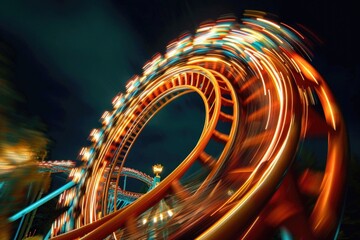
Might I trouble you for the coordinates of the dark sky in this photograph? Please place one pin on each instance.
(73, 57)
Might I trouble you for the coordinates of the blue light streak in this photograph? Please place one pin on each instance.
(41, 201)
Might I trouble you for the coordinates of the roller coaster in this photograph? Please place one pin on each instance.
(263, 102)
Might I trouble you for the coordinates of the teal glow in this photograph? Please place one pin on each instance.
(41, 202)
(285, 234)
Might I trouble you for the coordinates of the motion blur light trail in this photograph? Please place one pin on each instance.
(262, 100)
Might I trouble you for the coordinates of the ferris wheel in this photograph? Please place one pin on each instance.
(263, 101)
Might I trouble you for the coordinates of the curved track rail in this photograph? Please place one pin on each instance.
(259, 96)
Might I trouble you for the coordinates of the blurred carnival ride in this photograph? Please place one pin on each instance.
(21, 142)
(263, 101)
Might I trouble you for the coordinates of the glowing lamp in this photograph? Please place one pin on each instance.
(157, 169)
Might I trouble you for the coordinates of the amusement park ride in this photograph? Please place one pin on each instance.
(263, 101)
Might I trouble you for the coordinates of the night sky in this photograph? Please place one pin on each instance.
(73, 57)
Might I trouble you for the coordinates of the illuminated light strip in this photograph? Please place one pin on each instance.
(311, 96)
(309, 73)
(295, 65)
(269, 114)
(306, 112)
(272, 145)
(274, 36)
(203, 29)
(268, 22)
(277, 54)
(251, 226)
(41, 201)
(94, 190)
(294, 30)
(329, 107)
(257, 65)
(215, 59)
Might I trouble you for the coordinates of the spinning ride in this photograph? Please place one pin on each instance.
(263, 100)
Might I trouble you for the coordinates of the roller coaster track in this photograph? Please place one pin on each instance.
(262, 99)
